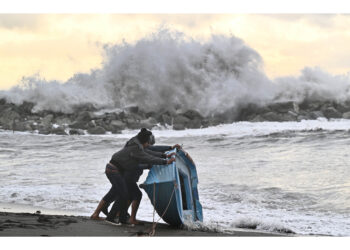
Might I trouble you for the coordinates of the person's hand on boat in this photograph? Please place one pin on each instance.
(177, 146)
(170, 161)
(170, 155)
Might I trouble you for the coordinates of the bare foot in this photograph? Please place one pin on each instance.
(95, 217)
(135, 222)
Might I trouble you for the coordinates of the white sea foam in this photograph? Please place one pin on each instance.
(241, 129)
(169, 70)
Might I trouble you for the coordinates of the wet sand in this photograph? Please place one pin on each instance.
(33, 224)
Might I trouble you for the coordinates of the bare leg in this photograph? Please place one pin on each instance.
(134, 207)
(96, 214)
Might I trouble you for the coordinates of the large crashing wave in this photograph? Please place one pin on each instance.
(169, 70)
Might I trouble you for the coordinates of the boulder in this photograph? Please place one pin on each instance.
(192, 114)
(257, 118)
(283, 107)
(97, 130)
(331, 112)
(316, 114)
(92, 124)
(180, 119)
(79, 124)
(289, 117)
(59, 131)
(272, 116)
(22, 126)
(76, 132)
(148, 123)
(44, 130)
(8, 118)
(116, 126)
(165, 118)
(132, 109)
(195, 123)
(47, 120)
(343, 107)
(178, 126)
(85, 116)
(302, 117)
(26, 108)
(346, 115)
(63, 120)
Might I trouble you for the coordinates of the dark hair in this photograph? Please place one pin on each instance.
(144, 135)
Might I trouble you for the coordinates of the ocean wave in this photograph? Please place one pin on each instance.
(168, 70)
(258, 224)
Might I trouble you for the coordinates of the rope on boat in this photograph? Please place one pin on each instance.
(154, 224)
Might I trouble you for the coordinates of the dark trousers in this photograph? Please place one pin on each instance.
(119, 193)
(134, 191)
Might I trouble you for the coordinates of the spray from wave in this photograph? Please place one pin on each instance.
(170, 71)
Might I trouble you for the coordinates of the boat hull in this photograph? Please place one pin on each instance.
(173, 192)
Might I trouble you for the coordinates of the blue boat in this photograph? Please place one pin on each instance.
(173, 191)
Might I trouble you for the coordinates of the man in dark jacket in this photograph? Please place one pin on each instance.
(126, 160)
(132, 177)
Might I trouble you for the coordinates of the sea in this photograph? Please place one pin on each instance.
(269, 176)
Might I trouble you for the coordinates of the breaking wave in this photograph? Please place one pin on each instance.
(169, 70)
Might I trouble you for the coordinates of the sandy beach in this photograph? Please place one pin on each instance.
(35, 224)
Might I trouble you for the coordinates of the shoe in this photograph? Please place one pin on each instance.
(113, 222)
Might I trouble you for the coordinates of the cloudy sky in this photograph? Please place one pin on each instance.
(56, 46)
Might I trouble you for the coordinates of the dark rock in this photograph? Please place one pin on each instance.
(97, 131)
(13, 195)
(272, 116)
(47, 120)
(26, 107)
(316, 114)
(8, 118)
(85, 116)
(302, 117)
(59, 131)
(133, 109)
(346, 115)
(343, 107)
(289, 117)
(83, 107)
(195, 123)
(179, 126)
(257, 118)
(44, 131)
(165, 119)
(180, 119)
(116, 126)
(92, 123)
(148, 123)
(192, 114)
(331, 112)
(284, 107)
(79, 124)
(76, 132)
(63, 120)
(22, 126)
(2, 101)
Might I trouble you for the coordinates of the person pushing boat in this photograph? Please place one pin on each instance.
(127, 159)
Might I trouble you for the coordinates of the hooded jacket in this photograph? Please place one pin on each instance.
(134, 154)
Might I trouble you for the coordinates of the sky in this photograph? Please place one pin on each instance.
(56, 46)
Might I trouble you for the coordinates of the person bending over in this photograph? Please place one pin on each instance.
(123, 161)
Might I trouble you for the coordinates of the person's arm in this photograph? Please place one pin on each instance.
(155, 153)
(144, 158)
(159, 148)
(145, 166)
